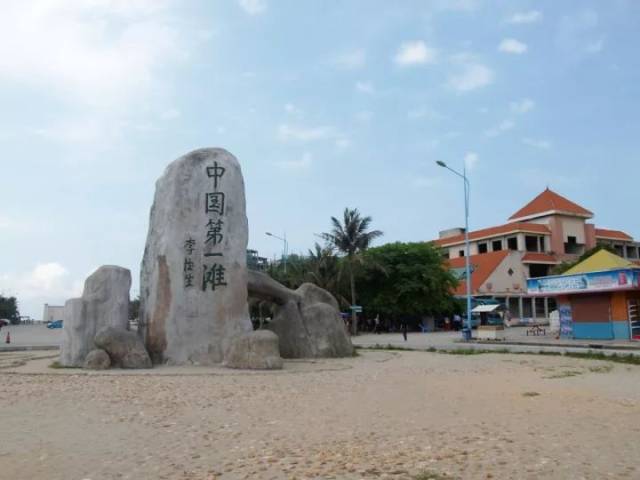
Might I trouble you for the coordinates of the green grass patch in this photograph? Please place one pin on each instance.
(601, 368)
(565, 374)
(628, 359)
(387, 347)
(57, 364)
(530, 394)
(429, 475)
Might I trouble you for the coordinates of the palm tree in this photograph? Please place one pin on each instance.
(351, 238)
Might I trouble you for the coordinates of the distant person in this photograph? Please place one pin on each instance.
(404, 327)
(447, 324)
(457, 322)
(376, 324)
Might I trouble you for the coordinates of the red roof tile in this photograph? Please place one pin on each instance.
(482, 266)
(495, 231)
(539, 258)
(550, 201)
(612, 234)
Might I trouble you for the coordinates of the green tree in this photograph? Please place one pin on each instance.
(134, 308)
(324, 269)
(351, 237)
(9, 309)
(564, 266)
(414, 280)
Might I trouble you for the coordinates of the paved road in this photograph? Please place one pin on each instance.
(30, 335)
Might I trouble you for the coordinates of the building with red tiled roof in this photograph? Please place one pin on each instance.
(549, 203)
(547, 231)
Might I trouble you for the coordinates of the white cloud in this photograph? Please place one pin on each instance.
(415, 53)
(470, 160)
(365, 87)
(503, 127)
(288, 132)
(531, 16)
(291, 109)
(170, 114)
(511, 45)
(101, 53)
(576, 33)
(301, 164)
(596, 46)
(471, 75)
(343, 142)
(49, 279)
(350, 60)
(253, 7)
(541, 144)
(523, 106)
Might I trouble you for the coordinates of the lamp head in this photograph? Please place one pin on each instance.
(269, 233)
(441, 163)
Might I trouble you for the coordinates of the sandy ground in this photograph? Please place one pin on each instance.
(380, 415)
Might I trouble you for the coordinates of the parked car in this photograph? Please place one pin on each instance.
(55, 324)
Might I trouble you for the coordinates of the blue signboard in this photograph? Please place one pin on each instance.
(566, 321)
(585, 282)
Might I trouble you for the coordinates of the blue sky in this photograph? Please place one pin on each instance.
(326, 104)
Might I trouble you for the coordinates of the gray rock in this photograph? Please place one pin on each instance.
(77, 334)
(125, 348)
(97, 360)
(104, 303)
(193, 279)
(307, 321)
(255, 350)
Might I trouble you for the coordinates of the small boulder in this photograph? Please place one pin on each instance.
(124, 347)
(255, 351)
(97, 360)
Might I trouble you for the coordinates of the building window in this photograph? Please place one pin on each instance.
(445, 254)
(619, 249)
(461, 253)
(496, 245)
(512, 243)
(632, 252)
(573, 247)
(531, 244)
(542, 249)
(538, 270)
(482, 248)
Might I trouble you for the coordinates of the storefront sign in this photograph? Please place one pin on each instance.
(584, 282)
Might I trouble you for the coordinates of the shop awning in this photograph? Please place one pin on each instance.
(485, 308)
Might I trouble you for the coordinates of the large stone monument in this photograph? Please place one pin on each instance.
(104, 303)
(193, 280)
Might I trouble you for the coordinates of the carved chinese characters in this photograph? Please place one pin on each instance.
(194, 277)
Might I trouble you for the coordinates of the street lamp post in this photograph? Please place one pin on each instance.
(285, 248)
(467, 253)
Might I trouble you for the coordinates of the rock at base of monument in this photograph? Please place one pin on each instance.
(254, 351)
(97, 359)
(124, 348)
(104, 303)
(311, 328)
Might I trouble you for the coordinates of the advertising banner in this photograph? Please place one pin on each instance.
(584, 282)
(566, 322)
